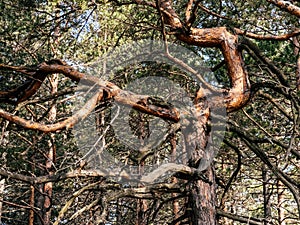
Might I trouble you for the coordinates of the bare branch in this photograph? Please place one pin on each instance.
(292, 185)
(212, 13)
(267, 37)
(242, 219)
(274, 69)
(173, 168)
(148, 178)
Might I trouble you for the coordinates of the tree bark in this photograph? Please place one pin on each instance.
(287, 6)
(280, 209)
(2, 187)
(48, 187)
(296, 53)
(266, 194)
(31, 203)
(202, 200)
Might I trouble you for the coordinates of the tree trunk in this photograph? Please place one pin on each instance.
(48, 187)
(266, 194)
(202, 200)
(296, 53)
(2, 186)
(174, 179)
(280, 194)
(31, 203)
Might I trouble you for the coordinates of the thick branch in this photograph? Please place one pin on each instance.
(68, 123)
(188, 12)
(174, 168)
(239, 93)
(26, 90)
(106, 91)
(219, 37)
(147, 178)
(287, 6)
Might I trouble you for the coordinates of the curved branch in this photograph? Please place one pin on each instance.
(68, 123)
(106, 91)
(239, 93)
(26, 90)
(148, 178)
(174, 168)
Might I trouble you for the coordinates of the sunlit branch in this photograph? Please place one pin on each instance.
(106, 91)
(287, 6)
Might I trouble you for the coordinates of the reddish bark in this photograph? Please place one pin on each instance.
(202, 200)
(296, 52)
(287, 6)
(31, 203)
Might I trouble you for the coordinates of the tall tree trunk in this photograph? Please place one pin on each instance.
(280, 196)
(174, 179)
(266, 194)
(296, 52)
(141, 203)
(31, 203)
(48, 187)
(2, 187)
(2, 180)
(142, 133)
(202, 198)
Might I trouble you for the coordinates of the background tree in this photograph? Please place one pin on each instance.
(46, 48)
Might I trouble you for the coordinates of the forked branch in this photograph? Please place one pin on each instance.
(105, 91)
(238, 95)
